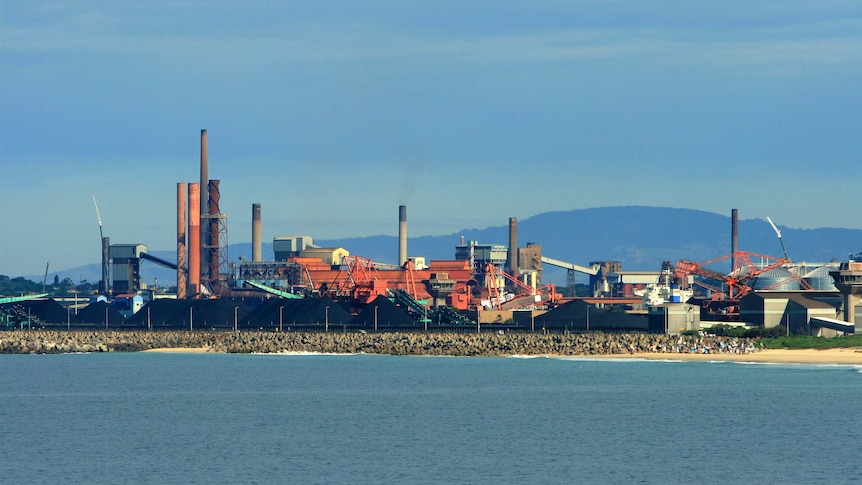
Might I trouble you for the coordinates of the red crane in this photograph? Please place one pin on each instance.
(526, 294)
(737, 281)
(357, 279)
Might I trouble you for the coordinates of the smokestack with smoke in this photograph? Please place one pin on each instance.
(402, 235)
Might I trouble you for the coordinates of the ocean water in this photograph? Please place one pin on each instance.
(228, 418)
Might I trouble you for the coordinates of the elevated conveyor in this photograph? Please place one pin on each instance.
(159, 261)
(12, 314)
(273, 291)
(404, 298)
(592, 271)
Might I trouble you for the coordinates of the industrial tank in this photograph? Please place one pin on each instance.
(776, 279)
(819, 278)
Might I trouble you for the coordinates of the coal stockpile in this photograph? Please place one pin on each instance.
(383, 314)
(97, 313)
(36, 313)
(580, 316)
(218, 313)
(307, 312)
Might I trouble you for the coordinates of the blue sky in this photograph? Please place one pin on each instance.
(331, 114)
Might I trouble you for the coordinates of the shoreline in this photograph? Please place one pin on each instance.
(589, 345)
(838, 356)
(841, 356)
(179, 350)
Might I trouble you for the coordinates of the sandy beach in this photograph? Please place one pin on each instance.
(179, 350)
(847, 356)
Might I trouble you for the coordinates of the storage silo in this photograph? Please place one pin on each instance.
(819, 278)
(776, 279)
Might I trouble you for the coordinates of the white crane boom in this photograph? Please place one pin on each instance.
(778, 233)
(99, 217)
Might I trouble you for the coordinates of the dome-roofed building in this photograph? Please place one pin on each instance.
(776, 279)
(819, 279)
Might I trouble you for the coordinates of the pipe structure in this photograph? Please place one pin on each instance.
(513, 247)
(402, 235)
(256, 235)
(212, 245)
(194, 240)
(182, 270)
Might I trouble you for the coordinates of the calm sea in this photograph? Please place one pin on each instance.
(223, 418)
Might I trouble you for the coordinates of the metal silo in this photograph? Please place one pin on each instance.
(819, 278)
(776, 279)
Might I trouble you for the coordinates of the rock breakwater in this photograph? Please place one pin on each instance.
(454, 344)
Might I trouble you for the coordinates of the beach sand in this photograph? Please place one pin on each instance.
(179, 350)
(848, 356)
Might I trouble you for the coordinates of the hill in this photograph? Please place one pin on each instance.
(640, 237)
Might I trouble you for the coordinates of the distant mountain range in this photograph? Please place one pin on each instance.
(638, 236)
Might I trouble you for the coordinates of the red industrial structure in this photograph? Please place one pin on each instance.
(727, 288)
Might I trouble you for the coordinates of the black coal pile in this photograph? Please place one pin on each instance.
(38, 313)
(580, 316)
(386, 315)
(97, 312)
(296, 313)
(197, 314)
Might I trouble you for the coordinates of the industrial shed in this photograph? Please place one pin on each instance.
(673, 318)
(794, 308)
(578, 315)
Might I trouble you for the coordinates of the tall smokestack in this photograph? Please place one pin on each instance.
(204, 198)
(182, 270)
(513, 247)
(204, 170)
(734, 237)
(402, 235)
(256, 235)
(212, 230)
(194, 240)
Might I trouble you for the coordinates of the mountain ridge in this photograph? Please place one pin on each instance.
(640, 237)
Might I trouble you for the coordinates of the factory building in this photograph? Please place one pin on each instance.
(673, 318)
(286, 247)
(793, 309)
(126, 267)
(330, 256)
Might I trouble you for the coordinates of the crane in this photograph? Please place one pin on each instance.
(737, 281)
(99, 217)
(778, 233)
(794, 270)
(358, 279)
(527, 296)
(106, 285)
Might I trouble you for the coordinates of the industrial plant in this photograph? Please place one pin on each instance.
(484, 287)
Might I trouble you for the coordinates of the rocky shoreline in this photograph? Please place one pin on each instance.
(453, 344)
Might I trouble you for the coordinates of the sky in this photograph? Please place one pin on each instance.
(331, 114)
